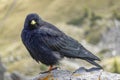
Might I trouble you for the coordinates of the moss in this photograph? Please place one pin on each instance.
(112, 64)
(116, 66)
(116, 15)
(80, 20)
(93, 38)
(102, 52)
(43, 67)
(94, 18)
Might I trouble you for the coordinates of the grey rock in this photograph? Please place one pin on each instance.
(7, 76)
(79, 74)
(17, 76)
(54, 75)
(2, 70)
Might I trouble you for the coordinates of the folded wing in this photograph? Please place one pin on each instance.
(65, 45)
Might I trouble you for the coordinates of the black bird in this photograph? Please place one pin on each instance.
(47, 44)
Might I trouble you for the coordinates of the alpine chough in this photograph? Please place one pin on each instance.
(47, 44)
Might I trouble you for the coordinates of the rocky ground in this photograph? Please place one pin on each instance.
(79, 74)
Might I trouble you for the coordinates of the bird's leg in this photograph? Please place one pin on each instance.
(50, 68)
(49, 75)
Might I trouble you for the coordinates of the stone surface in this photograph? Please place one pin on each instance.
(2, 70)
(17, 76)
(54, 75)
(79, 74)
(4, 75)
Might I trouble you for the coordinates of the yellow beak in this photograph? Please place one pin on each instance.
(33, 22)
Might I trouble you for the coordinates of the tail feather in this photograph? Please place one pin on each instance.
(94, 63)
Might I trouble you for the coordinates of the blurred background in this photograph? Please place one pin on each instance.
(95, 24)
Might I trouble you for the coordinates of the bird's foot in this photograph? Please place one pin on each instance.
(49, 70)
(48, 76)
(55, 68)
(44, 72)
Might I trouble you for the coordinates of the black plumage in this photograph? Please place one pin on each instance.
(47, 44)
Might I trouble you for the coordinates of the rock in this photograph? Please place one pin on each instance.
(7, 76)
(4, 75)
(17, 76)
(2, 70)
(79, 74)
(55, 75)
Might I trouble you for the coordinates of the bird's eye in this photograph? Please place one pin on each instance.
(33, 22)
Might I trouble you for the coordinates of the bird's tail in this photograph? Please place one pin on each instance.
(94, 63)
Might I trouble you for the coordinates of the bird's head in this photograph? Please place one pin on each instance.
(32, 21)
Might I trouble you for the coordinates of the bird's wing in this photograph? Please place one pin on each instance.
(65, 45)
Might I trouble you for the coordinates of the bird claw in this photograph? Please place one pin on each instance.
(43, 72)
(49, 70)
(56, 68)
